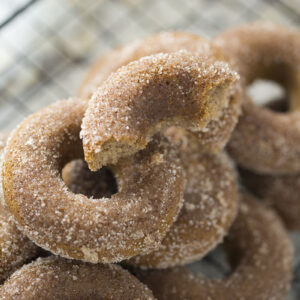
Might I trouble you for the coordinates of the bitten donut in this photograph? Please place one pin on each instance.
(209, 209)
(132, 221)
(280, 192)
(217, 132)
(56, 278)
(149, 95)
(15, 248)
(266, 141)
(260, 253)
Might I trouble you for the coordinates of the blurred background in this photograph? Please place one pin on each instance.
(46, 47)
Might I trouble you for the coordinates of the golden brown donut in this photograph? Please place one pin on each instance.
(209, 209)
(215, 135)
(217, 132)
(132, 221)
(266, 141)
(15, 248)
(259, 251)
(148, 95)
(280, 192)
(60, 279)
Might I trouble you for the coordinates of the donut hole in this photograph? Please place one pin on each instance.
(278, 105)
(214, 265)
(81, 180)
(269, 94)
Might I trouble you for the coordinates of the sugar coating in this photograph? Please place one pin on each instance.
(265, 141)
(57, 278)
(215, 135)
(209, 209)
(281, 192)
(150, 94)
(132, 221)
(260, 253)
(217, 132)
(15, 248)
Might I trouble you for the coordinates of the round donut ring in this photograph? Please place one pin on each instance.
(56, 278)
(209, 208)
(131, 222)
(15, 248)
(260, 253)
(215, 135)
(149, 95)
(279, 192)
(265, 141)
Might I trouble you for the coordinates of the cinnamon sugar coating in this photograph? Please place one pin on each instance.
(56, 278)
(209, 209)
(260, 254)
(15, 248)
(150, 94)
(265, 141)
(210, 206)
(217, 132)
(132, 221)
(281, 192)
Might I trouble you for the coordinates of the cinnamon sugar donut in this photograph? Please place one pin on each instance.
(149, 95)
(217, 132)
(266, 141)
(56, 278)
(279, 192)
(132, 221)
(260, 253)
(210, 206)
(15, 248)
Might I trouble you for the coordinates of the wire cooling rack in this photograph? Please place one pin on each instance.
(46, 47)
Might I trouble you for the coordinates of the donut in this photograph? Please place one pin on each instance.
(131, 222)
(57, 278)
(15, 248)
(217, 132)
(266, 141)
(260, 254)
(209, 209)
(281, 192)
(150, 94)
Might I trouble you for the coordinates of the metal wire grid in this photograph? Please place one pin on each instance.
(46, 47)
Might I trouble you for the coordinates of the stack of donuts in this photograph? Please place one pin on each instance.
(110, 194)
